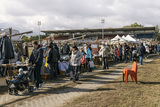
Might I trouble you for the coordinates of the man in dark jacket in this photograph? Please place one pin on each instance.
(36, 59)
(126, 50)
(141, 52)
(65, 49)
(120, 50)
(130, 52)
(54, 46)
(52, 61)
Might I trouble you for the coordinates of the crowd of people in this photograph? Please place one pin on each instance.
(80, 59)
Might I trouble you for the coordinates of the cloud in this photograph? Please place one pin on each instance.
(23, 15)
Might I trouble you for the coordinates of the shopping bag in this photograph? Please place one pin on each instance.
(46, 64)
(22, 58)
(91, 63)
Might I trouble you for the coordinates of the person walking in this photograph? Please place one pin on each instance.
(126, 50)
(120, 50)
(147, 50)
(115, 53)
(104, 51)
(36, 59)
(65, 49)
(88, 57)
(75, 63)
(52, 60)
(130, 52)
(83, 62)
(141, 52)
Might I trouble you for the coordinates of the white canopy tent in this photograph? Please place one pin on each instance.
(118, 39)
(131, 39)
(124, 37)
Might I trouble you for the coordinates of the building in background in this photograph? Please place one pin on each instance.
(109, 33)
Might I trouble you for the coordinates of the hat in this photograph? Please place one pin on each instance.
(20, 70)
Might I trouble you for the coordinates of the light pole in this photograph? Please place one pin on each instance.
(39, 24)
(103, 21)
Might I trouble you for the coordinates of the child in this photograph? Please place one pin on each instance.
(18, 78)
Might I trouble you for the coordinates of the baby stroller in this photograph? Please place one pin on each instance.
(135, 56)
(20, 85)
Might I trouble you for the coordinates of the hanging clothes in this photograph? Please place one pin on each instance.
(6, 48)
(0, 48)
(25, 51)
(19, 50)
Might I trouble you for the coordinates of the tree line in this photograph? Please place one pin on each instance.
(26, 38)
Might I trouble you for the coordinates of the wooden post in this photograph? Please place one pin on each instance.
(10, 35)
(97, 44)
(83, 37)
(73, 36)
(27, 50)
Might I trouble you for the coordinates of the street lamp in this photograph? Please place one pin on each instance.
(103, 21)
(39, 24)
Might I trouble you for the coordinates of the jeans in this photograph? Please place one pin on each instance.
(130, 56)
(84, 67)
(120, 57)
(125, 57)
(14, 81)
(105, 62)
(75, 73)
(53, 70)
(141, 60)
(87, 60)
(37, 71)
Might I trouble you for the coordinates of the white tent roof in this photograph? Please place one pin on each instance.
(123, 37)
(118, 39)
(131, 39)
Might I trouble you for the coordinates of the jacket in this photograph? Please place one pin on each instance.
(76, 58)
(32, 56)
(37, 56)
(88, 53)
(52, 56)
(126, 49)
(141, 50)
(120, 50)
(131, 49)
(65, 49)
(25, 49)
(6, 48)
(147, 48)
(55, 47)
(104, 51)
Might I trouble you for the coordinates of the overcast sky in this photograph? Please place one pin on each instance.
(24, 15)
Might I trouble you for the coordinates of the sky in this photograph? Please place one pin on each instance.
(23, 15)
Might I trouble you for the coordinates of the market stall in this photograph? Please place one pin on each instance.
(7, 52)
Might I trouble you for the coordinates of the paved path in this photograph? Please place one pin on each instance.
(51, 96)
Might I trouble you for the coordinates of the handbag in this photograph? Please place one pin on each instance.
(83, 60)
(91, 63)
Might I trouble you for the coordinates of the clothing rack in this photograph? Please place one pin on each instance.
(10, 36)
